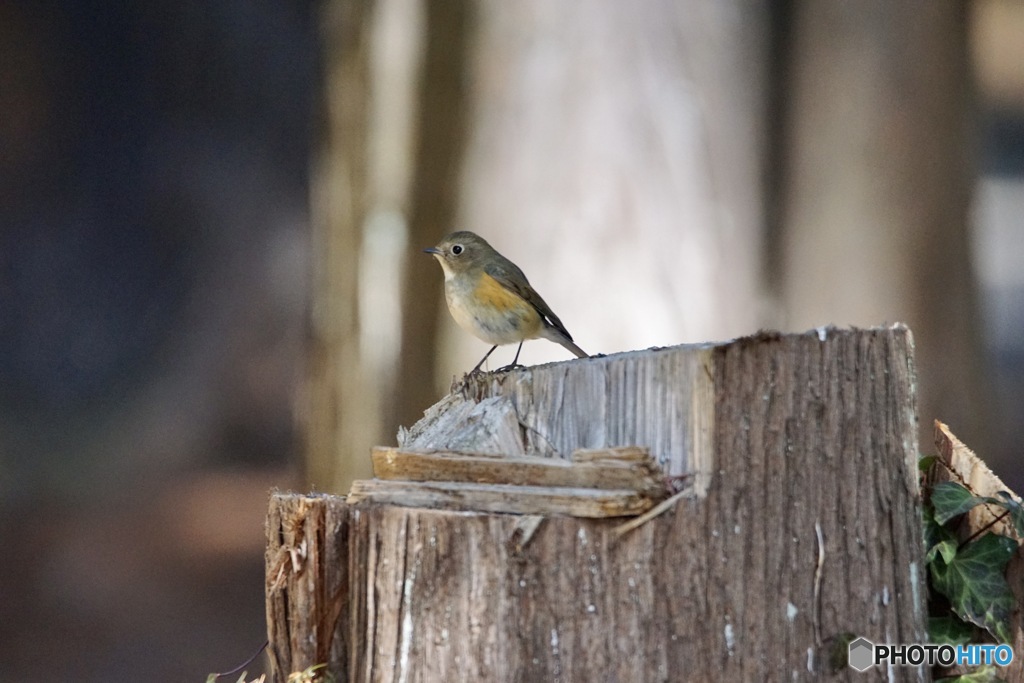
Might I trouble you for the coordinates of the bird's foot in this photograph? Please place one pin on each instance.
(510, 366)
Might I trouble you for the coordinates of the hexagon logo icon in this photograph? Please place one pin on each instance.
(860, 654)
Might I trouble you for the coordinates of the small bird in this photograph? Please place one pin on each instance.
(490, 297)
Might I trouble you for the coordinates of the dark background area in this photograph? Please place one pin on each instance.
(153, 270)
(154, 289)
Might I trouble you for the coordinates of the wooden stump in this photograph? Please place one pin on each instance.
(801, 526)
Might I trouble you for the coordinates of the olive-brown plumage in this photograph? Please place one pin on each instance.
(490, 297)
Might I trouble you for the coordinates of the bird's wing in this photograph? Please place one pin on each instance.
(505, 274)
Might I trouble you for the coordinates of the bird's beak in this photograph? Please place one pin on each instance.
(432, 250)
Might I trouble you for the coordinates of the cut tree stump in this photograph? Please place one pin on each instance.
(798, 528)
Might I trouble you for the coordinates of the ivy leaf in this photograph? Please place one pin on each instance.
(975, 584)
(949, 630)
(950, 499)
(945, 549)
(1016, 510)
(934, 533)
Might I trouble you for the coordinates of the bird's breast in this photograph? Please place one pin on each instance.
(486, 309)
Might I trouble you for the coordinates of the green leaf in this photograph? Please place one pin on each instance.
(945, 549)
(950, 499)
(926, 462)
(975, 584)
(1016, 510)
(949, 630)
(935, 534)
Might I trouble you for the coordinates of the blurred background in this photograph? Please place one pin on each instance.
(211, 217)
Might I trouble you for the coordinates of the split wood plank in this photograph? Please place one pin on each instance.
(503, 498)
(631, 469)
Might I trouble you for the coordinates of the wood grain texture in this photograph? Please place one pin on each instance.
(659, 399)
(514, 499)
(811, 434)
(631, 469)
(307, 584)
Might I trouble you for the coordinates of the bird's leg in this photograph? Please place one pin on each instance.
(477, 368)
(515, 361)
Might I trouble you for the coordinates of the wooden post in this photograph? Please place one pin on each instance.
(801, 528)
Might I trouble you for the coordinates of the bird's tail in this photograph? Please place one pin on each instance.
(559, 336)
(580, 353)
(556, 335)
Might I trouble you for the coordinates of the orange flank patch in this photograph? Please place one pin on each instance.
(495, 314)
(489, 292)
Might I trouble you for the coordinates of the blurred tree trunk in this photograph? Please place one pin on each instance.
(615, 153)
(441, 130)
(385, 186)
(339, 418)
(877, 184)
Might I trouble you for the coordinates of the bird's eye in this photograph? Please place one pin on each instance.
(457, 249)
